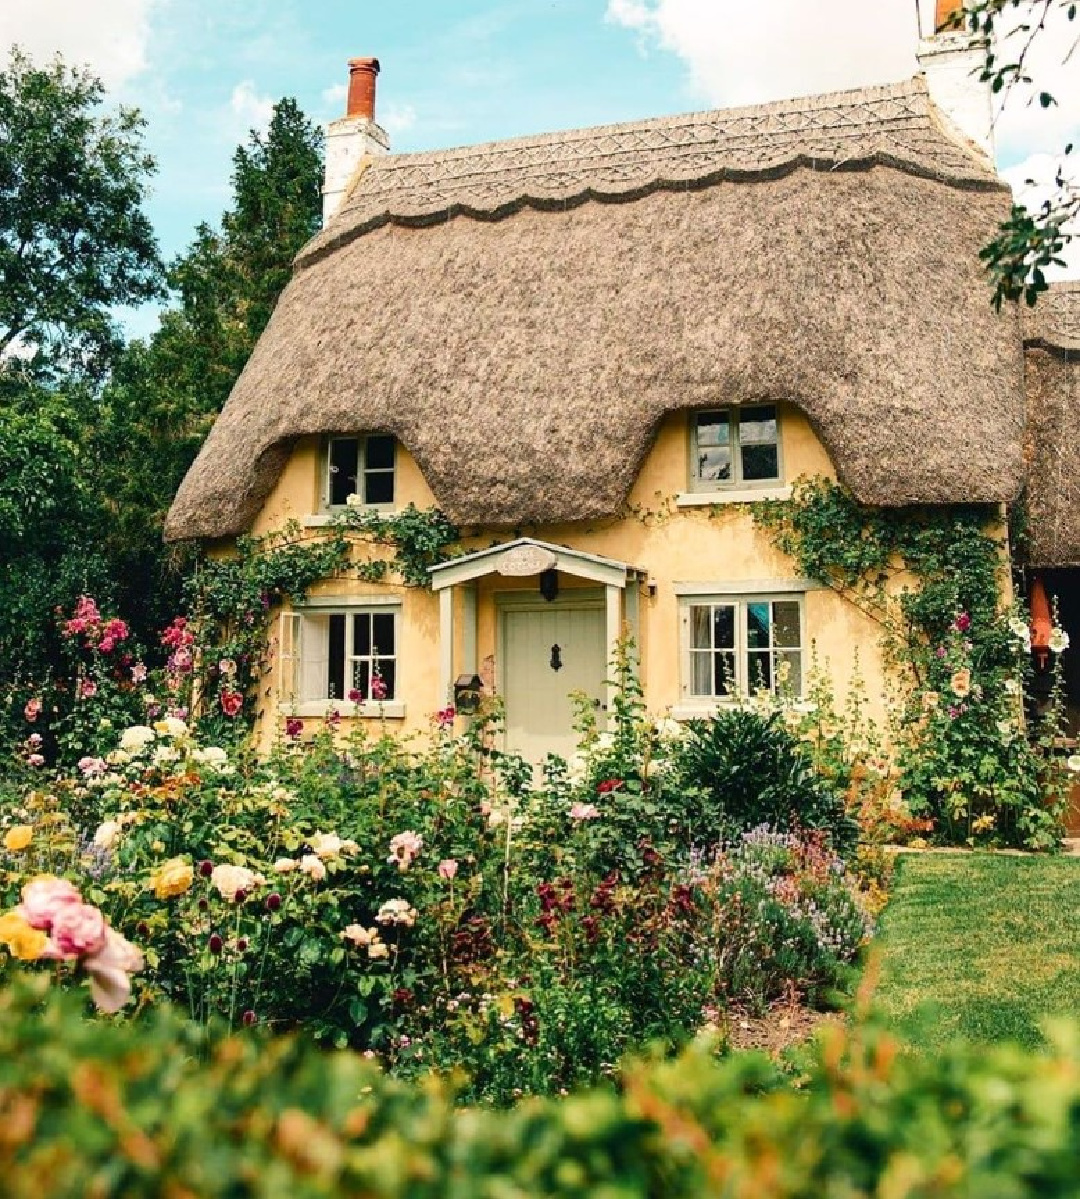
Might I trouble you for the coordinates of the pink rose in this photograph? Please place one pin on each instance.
(448, 868)
(138, 673)
(33, 709)
(43, 898)
(34, 740)
(77, 929)
(109, 969)
(35, 760)
(87, 689)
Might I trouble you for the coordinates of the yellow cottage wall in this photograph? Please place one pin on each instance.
(671, 543)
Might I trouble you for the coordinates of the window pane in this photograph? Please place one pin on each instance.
(379, 487)
(388, 674)
(713, 428)
(789, 672)
(757, 626)
(384, 633)
(724, 626)
(723, 674)
(759, 671)
(335, 675)
(714, 464)
(361, 645)
(361, 678)
(700, 619)
(757, 426)
(786, 623)
(760, 462)
(702, 671)
(344, 457)
(379, 453)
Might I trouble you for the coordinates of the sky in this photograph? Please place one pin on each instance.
(205, 72)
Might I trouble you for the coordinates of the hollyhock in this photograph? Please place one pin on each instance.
(448, 869)
(294, 726)
(378, 688)
(33, 709)
(445, 718)
(356, 696)
(231, 703)
(583, 811)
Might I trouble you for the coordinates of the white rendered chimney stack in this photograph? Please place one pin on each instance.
(952, 60)
(354, 137)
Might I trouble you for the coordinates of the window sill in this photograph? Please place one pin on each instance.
(734, 495)
(703, 709)
(321, 520)
(389, 709)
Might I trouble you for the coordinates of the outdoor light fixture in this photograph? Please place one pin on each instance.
(468, 691)
(549, 584)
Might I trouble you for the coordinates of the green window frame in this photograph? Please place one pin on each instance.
(739, 645)
(364, 466)
(735, 447)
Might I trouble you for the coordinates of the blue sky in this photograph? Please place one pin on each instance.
(456, 71)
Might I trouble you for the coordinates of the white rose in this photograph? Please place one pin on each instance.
(107, 833)
(171, 726)
(134, 739)
(313, 867)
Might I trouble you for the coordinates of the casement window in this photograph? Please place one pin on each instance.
(739, 645)
(734, 447)
(361, 467)
(345, 655)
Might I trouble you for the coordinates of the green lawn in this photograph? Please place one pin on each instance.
(980, 946)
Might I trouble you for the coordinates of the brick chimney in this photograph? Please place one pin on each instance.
(354, 137)
(952, 60)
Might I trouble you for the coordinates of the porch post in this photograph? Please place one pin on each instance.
(446, 645)
(613, 629)
(468, 629)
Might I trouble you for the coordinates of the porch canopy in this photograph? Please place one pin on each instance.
(523, 558)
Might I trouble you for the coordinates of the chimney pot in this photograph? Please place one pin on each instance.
(362, 73)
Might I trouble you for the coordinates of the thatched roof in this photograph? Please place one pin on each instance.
(1052, 356)
(522, 315)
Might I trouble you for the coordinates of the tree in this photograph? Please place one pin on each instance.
(1027, 243)
(74, 240)
(164, 395)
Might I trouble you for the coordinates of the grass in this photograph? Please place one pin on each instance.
(981, 946)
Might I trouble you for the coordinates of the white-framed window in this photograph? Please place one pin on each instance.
(359, 466)
(348, 655)
(740, 645)
(734, 447)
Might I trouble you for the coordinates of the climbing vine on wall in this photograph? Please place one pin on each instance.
(933, 577)
(419, 539)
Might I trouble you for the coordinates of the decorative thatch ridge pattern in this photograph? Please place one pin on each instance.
(525, 359)
(892, 125)
(1053, 388)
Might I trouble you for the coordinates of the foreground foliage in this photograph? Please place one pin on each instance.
(151, 1108)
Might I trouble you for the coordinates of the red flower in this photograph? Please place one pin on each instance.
(356, 696)
(294, 726)
(231, 703)
(378, 688)
(608, 785)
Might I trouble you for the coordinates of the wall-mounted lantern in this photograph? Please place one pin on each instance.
(549, 584)
(468, 692)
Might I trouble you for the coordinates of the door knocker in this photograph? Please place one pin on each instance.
(556, 658)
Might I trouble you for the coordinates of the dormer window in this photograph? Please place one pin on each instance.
(734, 447)
(361, 467)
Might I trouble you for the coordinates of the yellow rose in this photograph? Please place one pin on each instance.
(18, 837)
(960, 683)
(22, 940)
(172, 878)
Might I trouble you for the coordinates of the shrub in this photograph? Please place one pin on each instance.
(151, 1108)
(741, 769)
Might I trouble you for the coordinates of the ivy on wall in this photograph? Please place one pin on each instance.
(934, 578)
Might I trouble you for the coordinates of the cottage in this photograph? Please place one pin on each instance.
(595, 351)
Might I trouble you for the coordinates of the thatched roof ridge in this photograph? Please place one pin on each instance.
(527, 361)
(1052, 360)
(891, 125)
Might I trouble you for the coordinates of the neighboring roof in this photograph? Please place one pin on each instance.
(1053, 388)
(822, 251)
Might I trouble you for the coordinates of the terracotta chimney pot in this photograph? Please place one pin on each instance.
(944, 14)
(362, 73)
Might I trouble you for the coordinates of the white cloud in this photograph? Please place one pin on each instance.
(746, 53)
(249, 108)
(1032, 182)
(111, 36)
(335, 96)
(396, 118)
